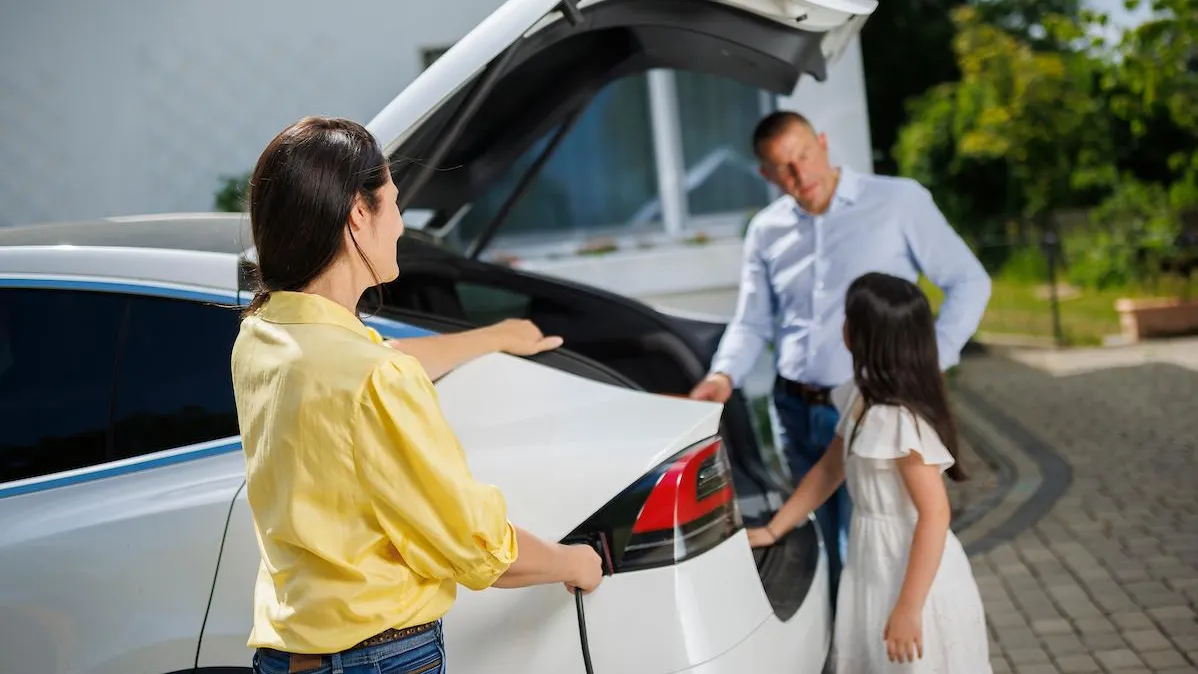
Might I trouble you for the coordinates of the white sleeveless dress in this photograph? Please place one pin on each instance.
(883, 523)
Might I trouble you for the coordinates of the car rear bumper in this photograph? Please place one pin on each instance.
(798, 646)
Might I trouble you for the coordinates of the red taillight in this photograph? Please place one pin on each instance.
(676, 499)
(681, 509)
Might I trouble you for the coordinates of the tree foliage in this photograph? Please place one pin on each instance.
(1057, 114)
(906, 48)
(1019, 133)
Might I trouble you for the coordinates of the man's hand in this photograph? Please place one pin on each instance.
(716, 388)
(521, 337)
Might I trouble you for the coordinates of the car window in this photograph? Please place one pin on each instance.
(484, 305)
(174, 386)
(57, 351)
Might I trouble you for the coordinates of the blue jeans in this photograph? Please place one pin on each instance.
(804, 432)
(423, 653)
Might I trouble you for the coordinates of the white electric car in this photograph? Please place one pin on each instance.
(125, 538)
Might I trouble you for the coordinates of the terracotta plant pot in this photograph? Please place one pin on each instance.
(1157, 317)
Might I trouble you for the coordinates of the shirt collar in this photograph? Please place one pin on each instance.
(296, 307)
(848, 187)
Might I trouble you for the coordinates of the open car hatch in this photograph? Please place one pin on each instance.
(533, 66)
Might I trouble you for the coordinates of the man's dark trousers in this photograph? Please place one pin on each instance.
(804, 430)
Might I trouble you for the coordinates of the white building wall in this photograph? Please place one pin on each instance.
(134, 106)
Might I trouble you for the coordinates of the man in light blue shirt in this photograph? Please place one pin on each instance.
(800, 255)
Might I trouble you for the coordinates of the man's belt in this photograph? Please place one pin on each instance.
(808, 393)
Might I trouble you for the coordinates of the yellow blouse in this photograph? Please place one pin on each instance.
(366, 514)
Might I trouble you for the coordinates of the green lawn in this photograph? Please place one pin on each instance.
(1023, 309)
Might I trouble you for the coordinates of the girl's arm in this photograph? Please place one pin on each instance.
(926, 487)
(815, 488)
(904, 638)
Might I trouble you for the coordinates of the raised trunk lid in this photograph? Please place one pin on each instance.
(528, 66)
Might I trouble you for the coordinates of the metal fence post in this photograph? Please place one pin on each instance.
(1050, 252)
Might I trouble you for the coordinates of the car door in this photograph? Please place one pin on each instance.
(118, 464)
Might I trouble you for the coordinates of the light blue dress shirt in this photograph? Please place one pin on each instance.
(798, 266)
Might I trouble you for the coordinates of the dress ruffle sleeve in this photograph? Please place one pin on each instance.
(892, 432)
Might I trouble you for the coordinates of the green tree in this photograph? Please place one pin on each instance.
(906, 48)
(1030, 21)
(1152, 85)
(1020, 133)
(232, 194)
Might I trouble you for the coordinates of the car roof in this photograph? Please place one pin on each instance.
(227, 233)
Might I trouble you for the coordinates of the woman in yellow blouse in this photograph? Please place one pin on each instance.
(366, 514)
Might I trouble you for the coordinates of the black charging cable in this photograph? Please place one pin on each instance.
(599, 543)
(582, 632)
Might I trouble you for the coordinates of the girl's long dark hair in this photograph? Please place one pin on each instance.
(892, 337)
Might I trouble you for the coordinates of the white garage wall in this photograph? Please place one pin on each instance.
(133, 106)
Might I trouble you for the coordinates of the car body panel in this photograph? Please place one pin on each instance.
(697, 614)
(216, 271)
(113, 575)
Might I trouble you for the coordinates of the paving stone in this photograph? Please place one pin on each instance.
(1039, 668)
(1120, 659)
(1005, 619)
(1109, 641)
(1186, 642)
(1178, 611)
(1077, 664)
(1133, 621)
(1147, 640)
(1163, 659)
(1027, 656)
(1178, 626)
(1094, 626)
(1063, 644)
(1017, 638)
(1052, 626)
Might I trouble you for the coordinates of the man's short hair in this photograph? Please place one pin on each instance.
(774, 124)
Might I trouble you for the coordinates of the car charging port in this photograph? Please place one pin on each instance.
(598, 542)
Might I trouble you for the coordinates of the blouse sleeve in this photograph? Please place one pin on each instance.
(444, 523)
(892, 432)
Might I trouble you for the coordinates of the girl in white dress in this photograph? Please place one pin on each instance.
(908, 601)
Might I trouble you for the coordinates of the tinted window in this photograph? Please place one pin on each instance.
(57, 351)
(174, 386)
(484, 305)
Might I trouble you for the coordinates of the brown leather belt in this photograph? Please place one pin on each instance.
(303, 662)
(812, 395)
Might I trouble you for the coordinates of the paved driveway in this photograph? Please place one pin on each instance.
(1093, 564)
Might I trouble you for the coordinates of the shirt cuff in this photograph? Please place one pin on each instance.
(494, 563)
